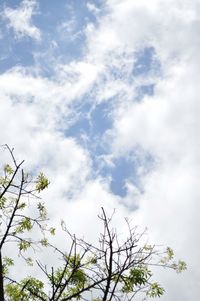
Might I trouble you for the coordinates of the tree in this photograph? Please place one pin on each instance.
(115, 269)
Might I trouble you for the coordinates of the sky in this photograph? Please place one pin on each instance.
(103, 97)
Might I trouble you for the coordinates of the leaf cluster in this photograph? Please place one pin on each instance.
(114, 269)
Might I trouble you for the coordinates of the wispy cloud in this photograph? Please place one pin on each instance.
(20, 19)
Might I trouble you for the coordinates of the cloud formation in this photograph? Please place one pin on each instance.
(138, 72)
(20, 19)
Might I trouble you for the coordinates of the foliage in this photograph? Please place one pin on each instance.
(112, 270)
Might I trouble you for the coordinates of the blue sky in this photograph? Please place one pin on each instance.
(62, 25)
(103, 97)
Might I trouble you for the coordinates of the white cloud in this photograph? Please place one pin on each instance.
(20, 19)
(93, 8)
(165, 124)
(49, 100)
(66, 163)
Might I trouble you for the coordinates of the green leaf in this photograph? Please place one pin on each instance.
(8, 169)
(24, 224)
(28, 289)
(4, 181)
(7, 262)
(29, 261)
(2, 202)
(24, 245)
(137, 277)
(155, 290)
(44, 242)
(21, 206)
(180, 266)
(170, 253)
(42, 210)
(41, 183)
(52, 231)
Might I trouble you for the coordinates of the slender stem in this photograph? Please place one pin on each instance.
(1, 279)
(14, 210)
(11, 180)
